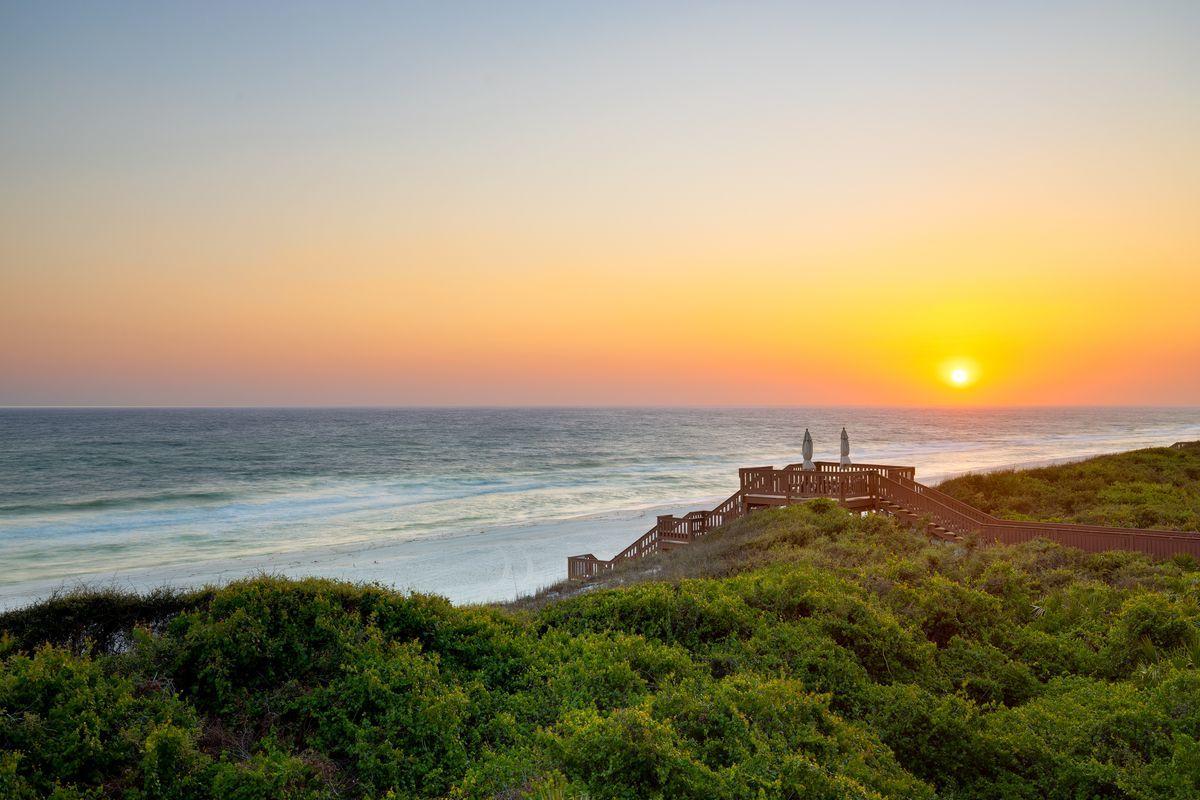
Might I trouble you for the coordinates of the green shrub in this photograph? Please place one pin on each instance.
(691, 614)
(944, 608)
(12, 784)
(1153, 488)
(392, 717)
(985, 674)
(934, 737)
(601, 670)
(172, 766)
(270, 774)
(1083, 736)
(257, 635)
(67, 721)
(628, 755)
(803, 651)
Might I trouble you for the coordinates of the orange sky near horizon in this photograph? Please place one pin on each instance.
(662, 220)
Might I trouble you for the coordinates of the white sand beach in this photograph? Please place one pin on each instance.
(476, 566)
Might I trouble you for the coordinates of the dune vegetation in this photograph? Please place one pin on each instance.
(799, 653)
(1154, 488)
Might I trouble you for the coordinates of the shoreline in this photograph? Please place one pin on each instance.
(498, 563)
(1037, 464)
(460, 565)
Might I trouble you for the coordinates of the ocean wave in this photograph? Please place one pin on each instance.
(117, 502)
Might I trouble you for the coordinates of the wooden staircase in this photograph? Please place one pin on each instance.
(913, 519)
(881, 489)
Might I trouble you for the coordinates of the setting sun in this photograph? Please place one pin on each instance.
(959, 372)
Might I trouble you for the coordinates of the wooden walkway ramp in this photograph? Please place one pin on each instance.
(882, 489)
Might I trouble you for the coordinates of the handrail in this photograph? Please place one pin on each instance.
(1090, 538)
(952, 519)
(947, 500)
(1094, 539)
(687, 528)
(646, 542)
(1081, 528)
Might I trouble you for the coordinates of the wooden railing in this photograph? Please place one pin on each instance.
(958, 517)
(881, 484)
(925, 504)
(1094, 538)
(667, 528)
(890, 470)
(944, 499)
(828, 479)
(795, 483)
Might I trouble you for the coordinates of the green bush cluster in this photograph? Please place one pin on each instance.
(1154, 488)
(844, 658)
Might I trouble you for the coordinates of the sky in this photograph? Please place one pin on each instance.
(569, 203)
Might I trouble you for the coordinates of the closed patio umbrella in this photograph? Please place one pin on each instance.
(808, 450)
(845, 449)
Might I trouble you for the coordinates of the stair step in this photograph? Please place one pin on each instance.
(911, 517)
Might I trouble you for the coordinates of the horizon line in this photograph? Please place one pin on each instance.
(555, 406)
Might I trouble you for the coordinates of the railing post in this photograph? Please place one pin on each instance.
(581, 567)
(665, 524)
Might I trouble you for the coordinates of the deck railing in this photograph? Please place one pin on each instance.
(890, 470)
(827, 479)
(795, 483)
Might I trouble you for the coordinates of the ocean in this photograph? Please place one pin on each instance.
(475, 504)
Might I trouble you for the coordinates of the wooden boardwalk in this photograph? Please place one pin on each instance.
(882, 489)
